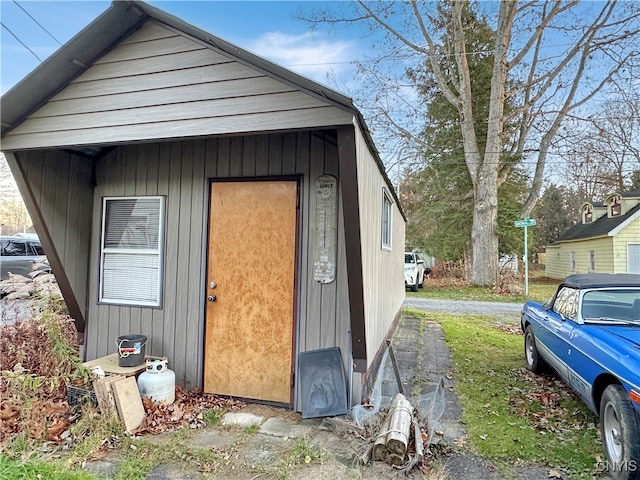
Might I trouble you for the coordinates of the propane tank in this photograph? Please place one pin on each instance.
(158, 382)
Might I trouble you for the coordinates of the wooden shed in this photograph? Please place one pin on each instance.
(233, 212)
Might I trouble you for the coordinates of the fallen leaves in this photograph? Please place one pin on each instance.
(36, 358)
(543, 404)
(510, 329)
(185, 412)
(555, 474)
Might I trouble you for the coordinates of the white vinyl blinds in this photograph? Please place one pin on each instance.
(131, 250)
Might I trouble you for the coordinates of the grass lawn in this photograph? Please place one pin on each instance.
(512, 416)
(540, 289)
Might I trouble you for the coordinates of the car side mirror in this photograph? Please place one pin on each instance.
(420, 262)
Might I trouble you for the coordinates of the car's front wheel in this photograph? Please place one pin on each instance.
(620, 428)
(535, 362)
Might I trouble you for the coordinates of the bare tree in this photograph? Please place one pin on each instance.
(8, 187)
(14, 217)
(550, 59)
(13, 213)
(602, 151)
(601, 51)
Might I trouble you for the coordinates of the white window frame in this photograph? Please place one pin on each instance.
(386, 221)
(140, 268)
(633, 258)
(592, 261)
(572, 261)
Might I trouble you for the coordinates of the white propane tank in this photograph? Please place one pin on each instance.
(158, 382)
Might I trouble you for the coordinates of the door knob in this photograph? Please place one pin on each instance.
(211, 298)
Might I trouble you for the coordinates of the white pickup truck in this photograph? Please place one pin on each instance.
(413, 271)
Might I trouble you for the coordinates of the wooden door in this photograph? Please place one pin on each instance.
(251, 272)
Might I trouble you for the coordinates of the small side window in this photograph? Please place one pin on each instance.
(572, 261)
(592, 261)
(387, 220)
(566, 303)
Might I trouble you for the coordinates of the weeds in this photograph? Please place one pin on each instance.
(36, 358)
(92, 434)
(138, 456)
(33, 380)
(12, 469)
(301, 453)
(212, 417)
(251, 429)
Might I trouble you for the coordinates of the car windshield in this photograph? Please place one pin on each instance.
(409, 258)
(612, 305)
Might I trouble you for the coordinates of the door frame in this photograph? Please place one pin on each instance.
(299, 179)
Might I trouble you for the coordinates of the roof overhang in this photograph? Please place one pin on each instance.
(120, 20)
(69, 61)
(116, 23)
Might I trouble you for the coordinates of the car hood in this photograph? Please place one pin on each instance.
(618, 334)
(629, 333)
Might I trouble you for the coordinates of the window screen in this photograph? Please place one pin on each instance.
(131, 250)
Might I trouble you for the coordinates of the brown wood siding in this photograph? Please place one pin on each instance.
(180, 171)
(59, 185)
(160, 85)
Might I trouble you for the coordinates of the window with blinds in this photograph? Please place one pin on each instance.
(131, 251)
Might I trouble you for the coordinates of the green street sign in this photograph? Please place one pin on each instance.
(527, 222)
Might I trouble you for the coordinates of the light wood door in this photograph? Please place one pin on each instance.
(251, 272)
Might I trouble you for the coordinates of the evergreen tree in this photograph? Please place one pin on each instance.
(555, 213)
(438, 197)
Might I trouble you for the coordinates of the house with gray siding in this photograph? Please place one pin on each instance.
(233, 212)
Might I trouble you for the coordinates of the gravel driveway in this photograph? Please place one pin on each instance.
(507, 312)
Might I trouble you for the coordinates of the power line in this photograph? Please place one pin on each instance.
(20, 41)
(37, 22)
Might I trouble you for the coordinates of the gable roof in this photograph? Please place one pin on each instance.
(104, 33)
(118, 22)
(601, 227)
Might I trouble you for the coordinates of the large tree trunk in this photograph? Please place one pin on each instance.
(484, 235)
(484, 170)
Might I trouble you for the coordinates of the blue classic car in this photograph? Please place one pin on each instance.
(589, 333)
